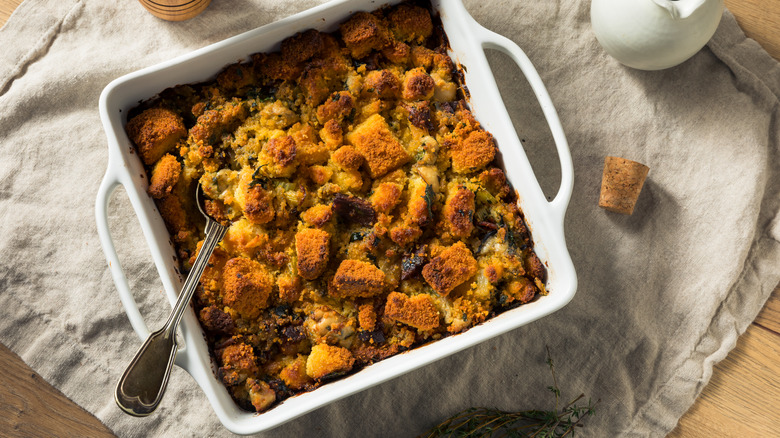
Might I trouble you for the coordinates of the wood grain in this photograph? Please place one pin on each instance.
(759, 19)
(743, 395)
(31, 407)
(6, 8)
(740, 400)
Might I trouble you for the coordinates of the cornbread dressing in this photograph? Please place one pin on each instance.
(367, 210)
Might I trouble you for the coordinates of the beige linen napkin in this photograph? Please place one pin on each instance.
(662, 296)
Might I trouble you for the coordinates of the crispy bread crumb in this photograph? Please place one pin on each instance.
(313, 249)
(418, 311)
(165, 175)
(247, 286)
(325, 359)
(450, 269)
(382, 151)
(155, 131)
(357, 279)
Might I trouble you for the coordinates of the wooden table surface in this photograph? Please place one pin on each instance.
(741, 399)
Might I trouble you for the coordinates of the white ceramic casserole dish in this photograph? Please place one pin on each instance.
(467, 40)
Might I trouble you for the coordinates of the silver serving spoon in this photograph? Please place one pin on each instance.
(143, 383)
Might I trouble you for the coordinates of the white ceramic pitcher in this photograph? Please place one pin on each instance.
(654, 34)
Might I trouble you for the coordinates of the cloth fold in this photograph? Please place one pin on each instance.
(663, 294)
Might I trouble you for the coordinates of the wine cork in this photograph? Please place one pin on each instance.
(621, 184)
(175, 10)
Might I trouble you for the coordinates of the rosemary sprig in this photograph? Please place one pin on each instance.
(486, 422)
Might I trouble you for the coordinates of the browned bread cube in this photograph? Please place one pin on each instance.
(364, 32)
(318, 215)
(294, 375)
(247, 286)
(459, 212)
(473, 152)
(450, 269)
(282, 150)
(155, 131)
(383, 84)
(212, 123)
(367, 317)
(418, 85)
(386, 196)
(313, 249)
(325, 359)
(357, 279)
(382, 151)
(165, 175)
(302, 46)
(410, 23)
(418, 311)
(238, 362)
(337, 106)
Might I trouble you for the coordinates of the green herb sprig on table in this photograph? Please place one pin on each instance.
(486, 422)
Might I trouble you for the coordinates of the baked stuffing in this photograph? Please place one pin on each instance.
(367, 210)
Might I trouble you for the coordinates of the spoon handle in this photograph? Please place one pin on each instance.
(143, 383)
(214, 234)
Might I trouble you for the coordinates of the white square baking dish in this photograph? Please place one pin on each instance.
(468, 40)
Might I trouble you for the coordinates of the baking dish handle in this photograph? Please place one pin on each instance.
(110, 182)
(492, 40)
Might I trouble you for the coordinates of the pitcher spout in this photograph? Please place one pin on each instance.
(680, 9)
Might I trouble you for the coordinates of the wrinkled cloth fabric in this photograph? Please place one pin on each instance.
(663, 294)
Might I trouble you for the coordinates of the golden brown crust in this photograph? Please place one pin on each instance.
(383, 84)
(364, 32)
(318, 216)
(397, 52)
(165, 175)
(258, 208)
(474, 152)
(281, 149)
(174, 216)
(277, 67)
(450, 269)
(367, 317)
(382, 151)
(313, 249)
(459, 213)
(289, 288)
(337, 106)
(309, 149)
(348, 158)
(320, 77)
(238, 361)
(386, 196)
(325, 359)
(405, 235)
(418, 311)
(155, 131)
(357, 279)
(246, 286)
(418, 85)
(294, 375)
(212, 123)
(522, 289)
(236, 76)
(410, 23)
(331, 134)
(302, 46)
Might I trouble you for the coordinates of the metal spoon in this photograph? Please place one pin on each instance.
(143, 383)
